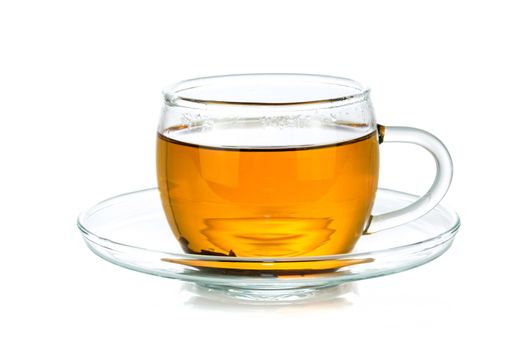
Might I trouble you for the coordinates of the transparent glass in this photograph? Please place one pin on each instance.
(279, 165)
(131, 230)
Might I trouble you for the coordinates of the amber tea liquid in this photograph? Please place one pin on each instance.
(256, 191)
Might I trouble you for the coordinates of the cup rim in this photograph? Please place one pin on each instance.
(179, 94)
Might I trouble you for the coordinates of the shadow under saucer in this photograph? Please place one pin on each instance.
(201, 297)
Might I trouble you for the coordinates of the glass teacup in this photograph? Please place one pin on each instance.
(278, 165)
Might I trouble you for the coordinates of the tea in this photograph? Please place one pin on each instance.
(245, 190)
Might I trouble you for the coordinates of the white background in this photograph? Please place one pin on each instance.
(79, 102)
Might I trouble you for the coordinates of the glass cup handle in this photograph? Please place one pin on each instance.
(436, 192)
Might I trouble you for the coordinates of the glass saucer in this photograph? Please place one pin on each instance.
(130, 230)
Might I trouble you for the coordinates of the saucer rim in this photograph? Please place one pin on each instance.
(438, 239)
